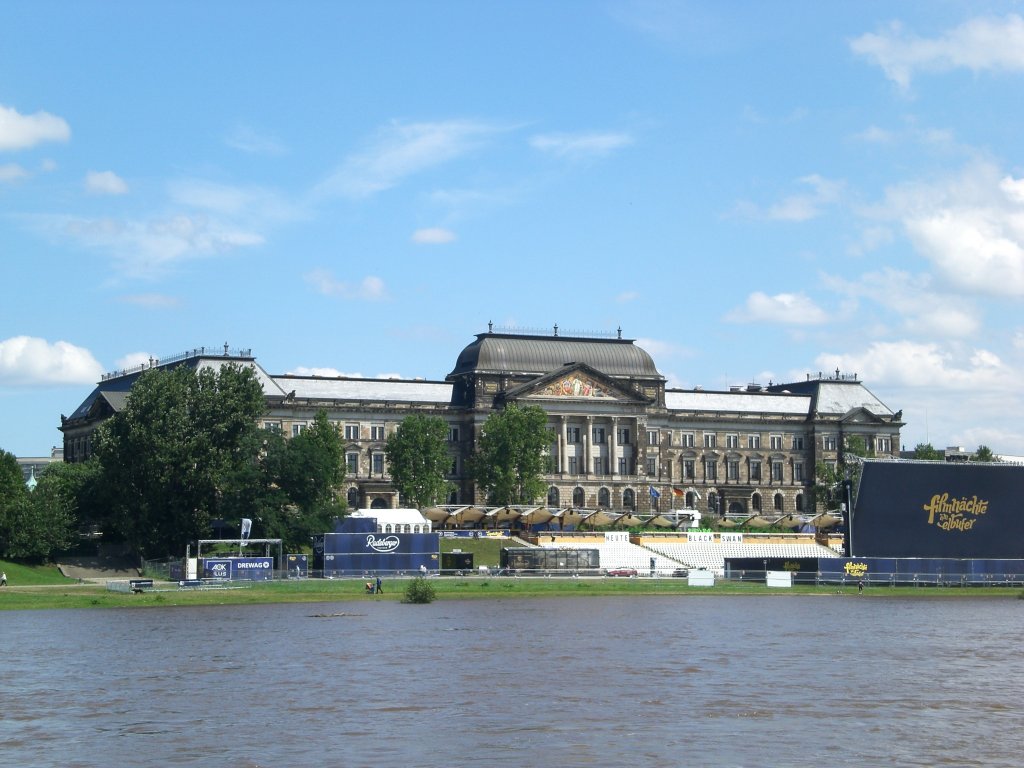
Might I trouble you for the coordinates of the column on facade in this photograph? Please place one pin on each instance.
(613, 450)
(563, 459)
(588, 458)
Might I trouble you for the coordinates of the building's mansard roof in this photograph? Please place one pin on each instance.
(836, 396)
(737, 402)
(375, 390)
(499, 353)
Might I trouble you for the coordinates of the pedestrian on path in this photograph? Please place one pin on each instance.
(380, 589)
(3, 579)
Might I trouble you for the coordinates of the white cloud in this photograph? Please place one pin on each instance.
(105, 183)
(370, 288)
(254, 205)
(578, 146)
(19, 131)
(26, 360)
(152, 300)
(148, 248)
(12, 172)
(783, 308)
(327, 373)
(913, 364)
(402, 150)
(971, 227)
(134, 360)
(664, 350)
(800, 207)
(247, 139)
(627, 296)
(979, 44)
(433, 236)
(925, 311)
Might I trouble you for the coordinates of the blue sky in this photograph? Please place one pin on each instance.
(752, 190)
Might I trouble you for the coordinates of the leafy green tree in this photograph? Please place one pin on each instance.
(171, 456)
(13, 495)
(510, 457)
(926, 452)
(984, 453)
(418, 459)
(829, 491)
(303, 476)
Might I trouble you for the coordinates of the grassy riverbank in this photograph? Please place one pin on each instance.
(45, 596)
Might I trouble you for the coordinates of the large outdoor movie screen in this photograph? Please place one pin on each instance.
(916, 509)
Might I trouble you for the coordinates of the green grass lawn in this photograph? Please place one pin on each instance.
(32, 575)
(72, 595)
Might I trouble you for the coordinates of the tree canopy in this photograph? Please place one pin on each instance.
(984, 453)
(418, 459)
(926, 452)
(171, 456)
(511, 455)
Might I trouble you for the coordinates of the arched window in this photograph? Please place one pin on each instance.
(353, 498)
(755, 502)
(799, 502)
(629, 499)
(604, 498)
(387, 528)
(691, 497)
(578, 497)
(553, 497)
(778, 502)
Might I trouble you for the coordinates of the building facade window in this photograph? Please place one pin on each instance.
(828, 442)
(272, 426)
(798, 472)
(732, 441)
(600, 465)
(629, 499)
(377, 432)
(689, 469)
(775, 442)
(378, 464)
(686, 440)
(623, 466)
(754, 441)
(622, 435)
(572, 434)
(798, 442)
(755, 502)
(579, 498)
(652, 437)
(710, 470)
(597, 433)
(553, 497)
(732, 470)
(573, 466)
(710, 440)
(351, 432)
(453, 434)
(776, 471)
(652, 465)
(604, 498)
(297, 429)
(755, 470)
(778, 502)
(352, 463)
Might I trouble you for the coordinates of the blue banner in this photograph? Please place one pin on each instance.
(355, 553)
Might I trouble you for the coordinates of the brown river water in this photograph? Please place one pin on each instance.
(613, 681)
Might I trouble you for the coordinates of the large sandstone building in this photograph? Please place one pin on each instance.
(623, 440)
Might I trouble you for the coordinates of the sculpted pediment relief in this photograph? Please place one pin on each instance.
(575, 384)
(578, 382)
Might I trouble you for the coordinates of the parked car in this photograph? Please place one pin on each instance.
(681, 572)
(622, 572)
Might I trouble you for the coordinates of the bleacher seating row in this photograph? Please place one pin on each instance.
(701, 555)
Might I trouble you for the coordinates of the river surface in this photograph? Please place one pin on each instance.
(612, 681)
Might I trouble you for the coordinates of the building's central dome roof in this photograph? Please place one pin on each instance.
(538, 355)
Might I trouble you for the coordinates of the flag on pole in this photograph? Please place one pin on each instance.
(246, 527)
(654, 493)
(677, 492)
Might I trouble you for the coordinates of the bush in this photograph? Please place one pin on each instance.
(420, 591)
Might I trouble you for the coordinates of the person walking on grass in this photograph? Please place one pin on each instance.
(380, 589)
